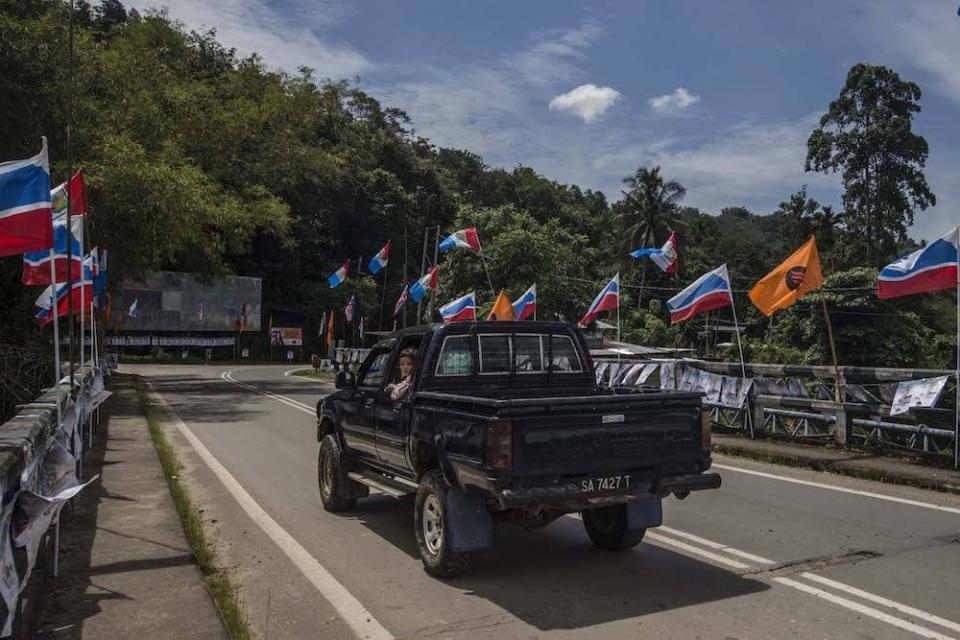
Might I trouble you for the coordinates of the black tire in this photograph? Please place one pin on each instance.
(434, 546)
(607, 528)
(332, 477)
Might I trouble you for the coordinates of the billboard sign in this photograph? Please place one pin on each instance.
(173, 301)
(286, 336)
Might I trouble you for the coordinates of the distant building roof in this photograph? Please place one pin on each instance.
(613, 349)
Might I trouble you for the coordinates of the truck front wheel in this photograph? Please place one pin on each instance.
(608, 529)
(332, 477)
(433, 534)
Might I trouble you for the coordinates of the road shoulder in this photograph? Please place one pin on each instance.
(126, 569)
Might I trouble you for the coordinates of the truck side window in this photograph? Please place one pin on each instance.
(372, 373)
(527, 353)
(494, 354)
(564, 358)
(456, 357)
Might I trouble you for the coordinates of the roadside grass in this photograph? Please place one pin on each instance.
(219, 582)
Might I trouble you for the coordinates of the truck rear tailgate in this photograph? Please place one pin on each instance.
(621, 432)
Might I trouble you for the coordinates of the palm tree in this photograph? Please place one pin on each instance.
(650, 207)
(649, 211)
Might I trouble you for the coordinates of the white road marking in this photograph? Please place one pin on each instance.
(678, 544)
(892, 604)
(662, 539)
(715, 545)
(290, 402)
(289, 374)
(856, 492)
(360, 621)
(863, 609)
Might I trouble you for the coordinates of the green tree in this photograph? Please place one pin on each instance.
(650, 207)
(867, 135)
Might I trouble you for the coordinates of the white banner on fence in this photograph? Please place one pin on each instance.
(668, 375)
(917, 393)
(9, 580)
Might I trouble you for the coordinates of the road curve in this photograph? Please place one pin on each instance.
(763, 557)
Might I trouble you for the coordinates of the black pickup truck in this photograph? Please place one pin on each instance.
(504, 422)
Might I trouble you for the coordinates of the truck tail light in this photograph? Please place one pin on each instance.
(500, 445)
(706, 426)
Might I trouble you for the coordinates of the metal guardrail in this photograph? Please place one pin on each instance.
(928, 430)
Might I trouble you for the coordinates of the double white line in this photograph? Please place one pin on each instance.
(227, 376)
(715, 552)
(727, 556)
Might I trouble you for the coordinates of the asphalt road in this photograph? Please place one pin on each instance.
(775, 553)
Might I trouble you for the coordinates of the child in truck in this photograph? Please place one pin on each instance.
(400, 390)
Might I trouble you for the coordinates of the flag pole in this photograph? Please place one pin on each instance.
(833, 351)
(736, 330)
(56, 326)
(618, 320)
(956, 424)
(383, 296)
(69, 149)
(483, 261)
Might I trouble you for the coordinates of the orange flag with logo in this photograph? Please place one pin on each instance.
(783, 286)
(502, 308)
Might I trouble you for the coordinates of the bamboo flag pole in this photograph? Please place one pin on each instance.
(833, 351)
(736, 330)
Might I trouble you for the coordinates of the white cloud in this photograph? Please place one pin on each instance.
(492, 109)
(925, 34)
(674, 102)
(587, 101)
(282, 39)
(756, 165)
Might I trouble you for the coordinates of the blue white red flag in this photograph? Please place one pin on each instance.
(607, 299)
(709, 291)
(45, 315)
(36, 264)
(462, 309)
(402, 300)
(380, 260)
(425, 283)
(25, 212)
(81, 294)
(339, 276)
(348, 310)
(463, 239)
(526, 305)
(665, 257)
(929, 269)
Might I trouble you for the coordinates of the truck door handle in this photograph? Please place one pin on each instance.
(368, 402)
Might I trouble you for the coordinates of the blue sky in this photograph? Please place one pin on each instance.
(722, 95)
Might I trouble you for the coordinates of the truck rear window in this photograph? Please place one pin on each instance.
(499, 353)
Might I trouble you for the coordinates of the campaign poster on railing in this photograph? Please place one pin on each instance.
(917, 393)
(286, 336)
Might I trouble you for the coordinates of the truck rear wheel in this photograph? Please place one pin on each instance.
(332, 477)
(433, 535)
(608, 529)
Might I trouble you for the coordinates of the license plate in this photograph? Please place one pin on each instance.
(598, 484)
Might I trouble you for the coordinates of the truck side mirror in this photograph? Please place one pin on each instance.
(345, 380)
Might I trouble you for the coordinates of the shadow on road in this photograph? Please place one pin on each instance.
(554, 578)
